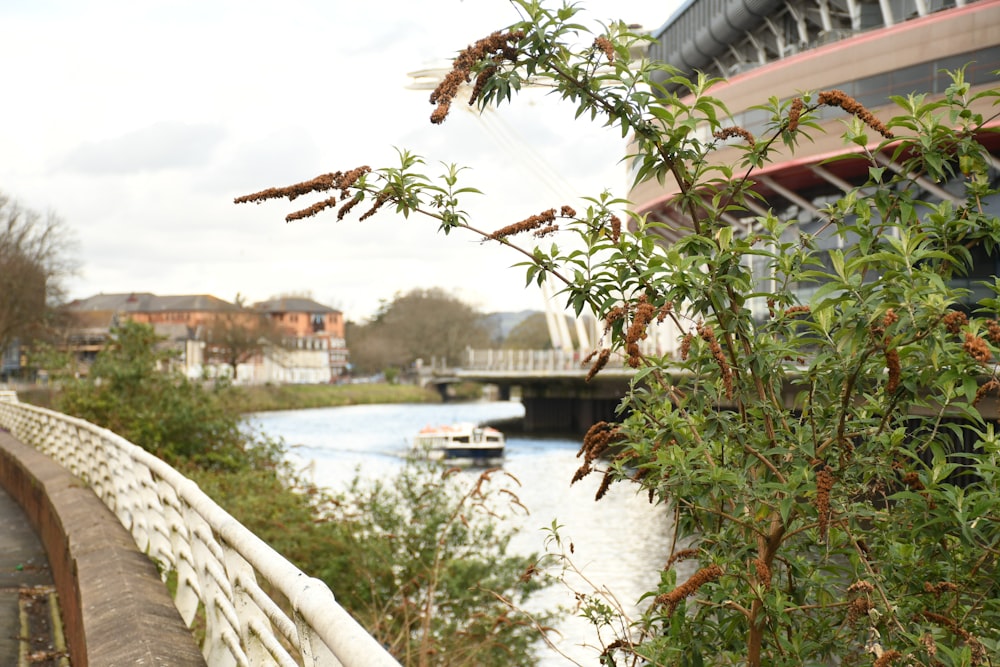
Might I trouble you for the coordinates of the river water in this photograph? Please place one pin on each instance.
(619, 543)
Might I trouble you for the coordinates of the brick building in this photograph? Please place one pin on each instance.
(310, 349)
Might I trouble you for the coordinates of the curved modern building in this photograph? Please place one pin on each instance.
(869, 49)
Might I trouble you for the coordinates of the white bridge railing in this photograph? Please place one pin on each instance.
(219, 566)
(522, 361)
(528, 361)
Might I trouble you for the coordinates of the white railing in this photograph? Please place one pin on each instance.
(216, 563)
(528, 361)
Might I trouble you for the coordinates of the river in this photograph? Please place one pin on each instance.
(619, 543)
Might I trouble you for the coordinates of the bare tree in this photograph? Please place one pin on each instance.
(36, 255)
(235, 337)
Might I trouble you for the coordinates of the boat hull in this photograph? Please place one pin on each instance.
(461, 443)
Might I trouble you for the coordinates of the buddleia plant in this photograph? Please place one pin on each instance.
(820, 436)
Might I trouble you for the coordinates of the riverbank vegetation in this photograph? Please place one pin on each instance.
(420, 559)
(851, 520)
(262, 398)
(265, 398)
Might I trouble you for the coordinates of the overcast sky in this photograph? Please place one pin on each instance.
(138, 122)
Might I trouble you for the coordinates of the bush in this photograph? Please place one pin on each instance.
(827, 525)
(131, 390)
(435, 582)
(420, 561)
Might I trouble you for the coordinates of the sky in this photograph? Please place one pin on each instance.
(138, 123)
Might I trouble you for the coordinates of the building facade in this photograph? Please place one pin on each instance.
(870, 50)
(315, 329)
(304, 344)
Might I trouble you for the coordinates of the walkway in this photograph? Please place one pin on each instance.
(115, 610)
(27, 593)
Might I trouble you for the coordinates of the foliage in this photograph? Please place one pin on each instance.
(57, 363)
(35, 256)
(132, 391)
(421, 324)
(434, 582)
(260, 398)
(418, 559)
(809, 455)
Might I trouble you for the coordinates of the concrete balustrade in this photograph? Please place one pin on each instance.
(256, 608)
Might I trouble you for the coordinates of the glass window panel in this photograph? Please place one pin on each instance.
(914, 79)
(873, 91)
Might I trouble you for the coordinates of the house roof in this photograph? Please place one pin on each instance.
(292, 305)
(145, 302)
(111, 302)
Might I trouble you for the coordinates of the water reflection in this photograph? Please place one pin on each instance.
(619, 543)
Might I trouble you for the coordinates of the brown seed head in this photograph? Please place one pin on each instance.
(604, 44)
(689, 587)
(824, 483)
(984, 389)
(543, 219)
(794, 112)
(708, 335)
(838, 98)
(763, 572)
(616, 228)
(735, 131)
(686, 345)
(938, 589)
(887, 658)
(792, 311)
(642, 314)
(895, 370)
(602, 361)
(977, 348)
(605, 485)
(683, 554)
(498, 47)
(380, 199)
(954, 321)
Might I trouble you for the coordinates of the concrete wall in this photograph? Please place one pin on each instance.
(116, 610)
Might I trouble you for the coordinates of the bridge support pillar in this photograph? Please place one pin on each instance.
(566, 414)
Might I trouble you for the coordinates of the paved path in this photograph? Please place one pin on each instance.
(24, 571)
(115, 609)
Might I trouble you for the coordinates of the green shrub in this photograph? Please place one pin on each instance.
(419, 560)
(826, 523)
(132, 391)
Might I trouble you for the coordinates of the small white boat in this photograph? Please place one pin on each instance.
(460, 443)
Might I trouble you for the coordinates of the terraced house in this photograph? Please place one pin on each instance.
(287, 340)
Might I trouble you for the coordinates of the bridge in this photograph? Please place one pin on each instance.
(552, 384)
(99, 503)
(556, 394)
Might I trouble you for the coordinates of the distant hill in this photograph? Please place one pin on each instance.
(499, 325)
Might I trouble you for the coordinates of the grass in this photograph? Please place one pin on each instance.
(265, 398)
(296, 397)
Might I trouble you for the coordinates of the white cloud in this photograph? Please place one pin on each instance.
(163, 145)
